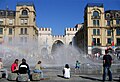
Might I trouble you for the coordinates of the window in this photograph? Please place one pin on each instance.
(108, 32)
(117, 31)
(117, 15)
(98, 40)
(23, 31)
(24, 12)
(1, 13)
(10, 39)
(118, 41)
(1, 21)
(95, 13)
(11, 13)
(23, 39)
(10, 31)
(95, 22)
(24, 21)
(108, 40)
(1, 30)
(107, 15)
(108, 22)
(94, 41)
(10, 21)
(96, 31)
(117, 21)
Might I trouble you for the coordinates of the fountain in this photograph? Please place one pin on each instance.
(62, 55)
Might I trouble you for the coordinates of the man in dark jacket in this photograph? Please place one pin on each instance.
(107, 61)
(24, 68)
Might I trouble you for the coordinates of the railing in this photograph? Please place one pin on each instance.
(97, 44)
(95, 17)
(25, 16)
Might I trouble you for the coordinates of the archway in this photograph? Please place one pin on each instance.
(70, 43)
(56, 45)
(96, 50)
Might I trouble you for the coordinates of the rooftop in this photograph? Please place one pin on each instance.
(95, 4)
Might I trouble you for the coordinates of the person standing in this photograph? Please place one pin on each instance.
(107, 61)
(66, 71)
(24, 68)
(14, 66)
(38, 69)
(77, 66)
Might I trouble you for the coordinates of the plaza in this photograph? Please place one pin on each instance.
(20, 37)
(55, 75)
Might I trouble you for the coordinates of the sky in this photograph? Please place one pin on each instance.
(60, 14)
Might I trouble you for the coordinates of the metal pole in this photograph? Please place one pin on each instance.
(112, 31)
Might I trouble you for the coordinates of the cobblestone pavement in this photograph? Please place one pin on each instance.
(55, 75)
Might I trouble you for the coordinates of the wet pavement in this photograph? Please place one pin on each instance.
(55, 75)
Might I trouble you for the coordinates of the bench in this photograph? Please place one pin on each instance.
(36, 76)
(22, 78)
(12, 76)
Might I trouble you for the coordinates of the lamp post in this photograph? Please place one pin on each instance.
(112, 31)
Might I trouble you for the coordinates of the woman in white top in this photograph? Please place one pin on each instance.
(66, 71)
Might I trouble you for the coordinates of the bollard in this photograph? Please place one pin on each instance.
(12, 76)
(36, 76)
(22, 78)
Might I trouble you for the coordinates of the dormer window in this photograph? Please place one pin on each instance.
(108, 15)
(11, 13)
(1, 13)
(24, 12)
(96, 13)
(117, 15)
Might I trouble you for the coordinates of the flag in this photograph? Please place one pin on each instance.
(112, 43)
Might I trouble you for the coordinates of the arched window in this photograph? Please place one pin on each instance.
(108, 15)
(95, 13)
(24, 12)
(117, 15)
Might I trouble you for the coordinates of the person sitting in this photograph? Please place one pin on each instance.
(38, 69)
(24, 68)
(14, 66)
(2, 69)
(66, 71)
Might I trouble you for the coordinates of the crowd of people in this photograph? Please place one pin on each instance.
(23, 67)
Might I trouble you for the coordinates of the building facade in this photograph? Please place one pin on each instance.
(19, 25)
(101, 29)
(47, 42)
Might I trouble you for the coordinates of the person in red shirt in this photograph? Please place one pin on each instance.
(14, 66)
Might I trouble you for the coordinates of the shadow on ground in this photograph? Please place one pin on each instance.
(98, 79)
(91, 78)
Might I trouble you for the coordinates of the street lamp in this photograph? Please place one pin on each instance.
(112, 31)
